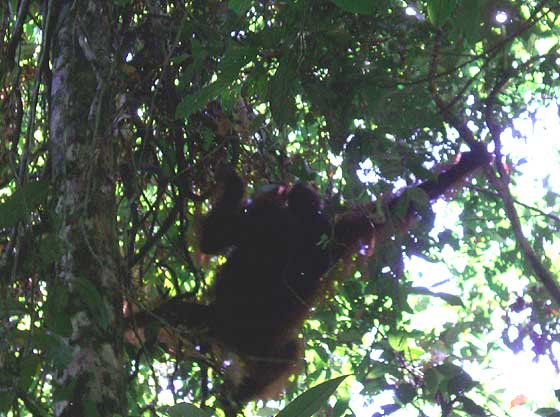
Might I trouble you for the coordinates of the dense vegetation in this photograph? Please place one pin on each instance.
(115, 115)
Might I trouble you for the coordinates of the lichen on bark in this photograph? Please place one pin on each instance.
(83, 167)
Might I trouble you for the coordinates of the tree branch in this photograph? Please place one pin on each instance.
(547, 279)
(167, 223)
(543, 213)
(15, 37)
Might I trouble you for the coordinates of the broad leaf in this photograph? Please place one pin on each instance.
(312, 400)
(366, 7)
(187, 410)
(547, 412)
(405, 393)
(239, 6)
(281, 94)
(450, 299)
(439, 11)
(17, 207)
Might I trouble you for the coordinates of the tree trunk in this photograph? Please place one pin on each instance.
(82, 153)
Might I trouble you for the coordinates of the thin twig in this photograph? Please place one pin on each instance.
(550, 216)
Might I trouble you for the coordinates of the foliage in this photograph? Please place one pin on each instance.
(318, 91)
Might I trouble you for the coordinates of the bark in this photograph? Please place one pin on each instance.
(82, 153)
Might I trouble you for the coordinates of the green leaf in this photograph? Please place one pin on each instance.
(398, 341)
(11, 307)
(405, 393)
(56, 318)
(281, 94)
(472, 408)
(419, 198)
(311, 401)
(55, 347)
(449, 370)
(450, 299)
(50, 249)
(28, 369)
(240, 7)
(66, 391)
(228, 71)
(356, 6)
(93, 301)
(235, 59)
(460, 383)
(196, 102)
(548, 412)
(470, 22)
(6, 399)
(90, 408)
(401, 208)
(341, 407)
(17, 207)
(179, 59)
(186, 410)
(439, 11)
(432, 379)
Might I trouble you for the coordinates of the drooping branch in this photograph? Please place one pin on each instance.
(501, 182)
(547, 279)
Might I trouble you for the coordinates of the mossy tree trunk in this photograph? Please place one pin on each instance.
(83, 157)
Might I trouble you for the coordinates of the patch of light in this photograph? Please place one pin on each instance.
(533, 158)
(501, 17)
(431, 275)
(545, 45)
(446, 217)
(166, 397)
(366, 173)
(367, 406)
(400, 184)
(472, 126)
(518, 376)
(410, 11)
(360, 123)
(335, 160)
(515, 283)
(555, 348)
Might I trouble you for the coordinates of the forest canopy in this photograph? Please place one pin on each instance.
(118, 120)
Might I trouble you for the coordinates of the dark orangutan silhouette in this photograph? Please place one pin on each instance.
(280, 246)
